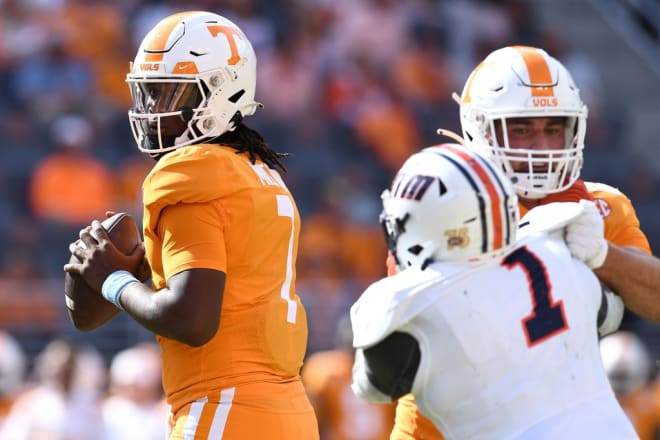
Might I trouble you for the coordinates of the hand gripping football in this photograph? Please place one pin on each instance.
(88, 309)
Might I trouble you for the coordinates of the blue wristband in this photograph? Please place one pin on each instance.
(114, 285)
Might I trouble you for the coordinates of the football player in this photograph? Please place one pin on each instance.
(496, 337)
(521, 107)
(221, 236)
(630, 370)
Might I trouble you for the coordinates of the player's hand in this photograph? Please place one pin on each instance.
(585, 236)
(578, 191)
(99, 257)
(144, 270)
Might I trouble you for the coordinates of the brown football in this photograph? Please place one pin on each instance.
(87, 309)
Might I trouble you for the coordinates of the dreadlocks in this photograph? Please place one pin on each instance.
(243, 139)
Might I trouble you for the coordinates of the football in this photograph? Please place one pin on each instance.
(87, 309)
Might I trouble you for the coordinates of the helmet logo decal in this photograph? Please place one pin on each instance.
(411, 186)
(545, 102)
(457, 238)
(186, 67)
(230, 33)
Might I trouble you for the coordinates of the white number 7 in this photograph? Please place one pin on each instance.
(285, 209)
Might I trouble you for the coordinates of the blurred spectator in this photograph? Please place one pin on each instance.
(70, 185)
(630, 370)
(130, 175)
(94, 31)
(13, 366)
(54, 82)
(135, 408)
(57, 407)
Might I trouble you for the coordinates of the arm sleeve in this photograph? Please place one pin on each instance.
(610, 312)
(386, 371)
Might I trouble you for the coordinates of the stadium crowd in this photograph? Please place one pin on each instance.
(349, 88)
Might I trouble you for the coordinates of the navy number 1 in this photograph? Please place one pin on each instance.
(547, 318)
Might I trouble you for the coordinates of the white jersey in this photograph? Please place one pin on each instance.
(508, 351)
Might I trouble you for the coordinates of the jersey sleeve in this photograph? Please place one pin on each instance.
(621, 223)
(192, 237)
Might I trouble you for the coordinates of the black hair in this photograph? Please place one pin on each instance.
(245, 139)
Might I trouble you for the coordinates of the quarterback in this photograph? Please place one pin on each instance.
(221, 236)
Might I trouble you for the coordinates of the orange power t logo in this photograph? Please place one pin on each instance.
(229, 33)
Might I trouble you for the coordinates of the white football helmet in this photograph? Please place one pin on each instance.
(449, 203)
(525, 82)
(193, 78)
(626, 360)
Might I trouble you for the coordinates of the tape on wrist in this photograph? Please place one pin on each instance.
(114, 285)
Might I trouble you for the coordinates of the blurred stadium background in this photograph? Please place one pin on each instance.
(350, 88)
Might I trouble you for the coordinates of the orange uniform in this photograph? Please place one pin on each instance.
(642, 406)
(621, 228)
(342, 415)
(245, 380)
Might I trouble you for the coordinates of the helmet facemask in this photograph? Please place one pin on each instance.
(535, 173)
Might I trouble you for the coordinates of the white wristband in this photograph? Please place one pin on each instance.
(114, 285)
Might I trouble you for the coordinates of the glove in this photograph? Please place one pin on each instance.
(585, 236)
(578, 191)
(549, 218)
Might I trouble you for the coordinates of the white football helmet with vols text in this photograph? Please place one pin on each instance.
(525, 82)
(193, 79)
(449, 203)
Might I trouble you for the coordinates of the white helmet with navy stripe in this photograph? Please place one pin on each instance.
(449, 203)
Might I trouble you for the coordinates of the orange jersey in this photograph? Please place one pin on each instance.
(340, 413)
(621, 228)
(247, 226)
(642, 407)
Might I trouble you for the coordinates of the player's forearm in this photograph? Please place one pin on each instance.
(635, 276)
(157, 311)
